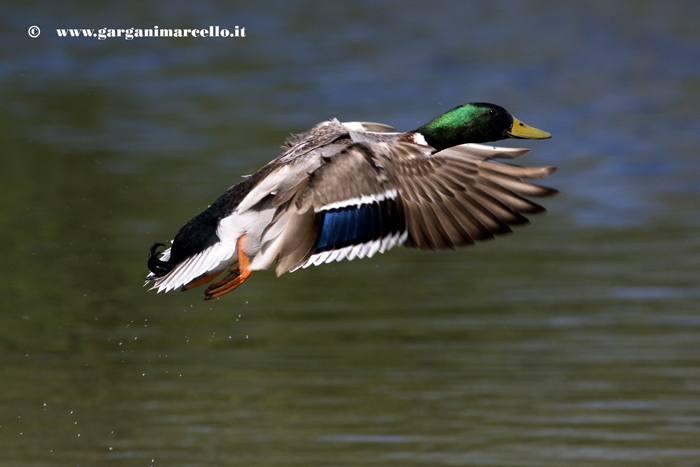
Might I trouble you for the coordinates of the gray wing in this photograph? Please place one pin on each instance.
(463, 194)
(448, 199)
(399, 192)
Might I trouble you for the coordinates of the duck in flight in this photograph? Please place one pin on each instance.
(350, 190)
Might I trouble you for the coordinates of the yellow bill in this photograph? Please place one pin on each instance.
(520, 130)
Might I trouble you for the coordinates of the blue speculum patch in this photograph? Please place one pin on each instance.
(358, 224)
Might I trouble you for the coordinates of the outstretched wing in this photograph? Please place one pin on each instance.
(463, 194)
(371, 196)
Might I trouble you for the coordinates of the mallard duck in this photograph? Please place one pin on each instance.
(350, 190)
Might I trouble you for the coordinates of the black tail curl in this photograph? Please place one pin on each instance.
(155, 265)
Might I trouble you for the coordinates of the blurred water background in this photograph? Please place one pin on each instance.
(574, 342)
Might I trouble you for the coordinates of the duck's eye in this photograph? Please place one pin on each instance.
(493, 112)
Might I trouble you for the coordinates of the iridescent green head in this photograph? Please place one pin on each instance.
(476, 123)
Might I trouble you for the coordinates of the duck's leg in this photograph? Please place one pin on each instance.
(236, 277)
(201, 280)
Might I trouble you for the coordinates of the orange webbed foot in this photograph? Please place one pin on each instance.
(201, 280)
(235, 278)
